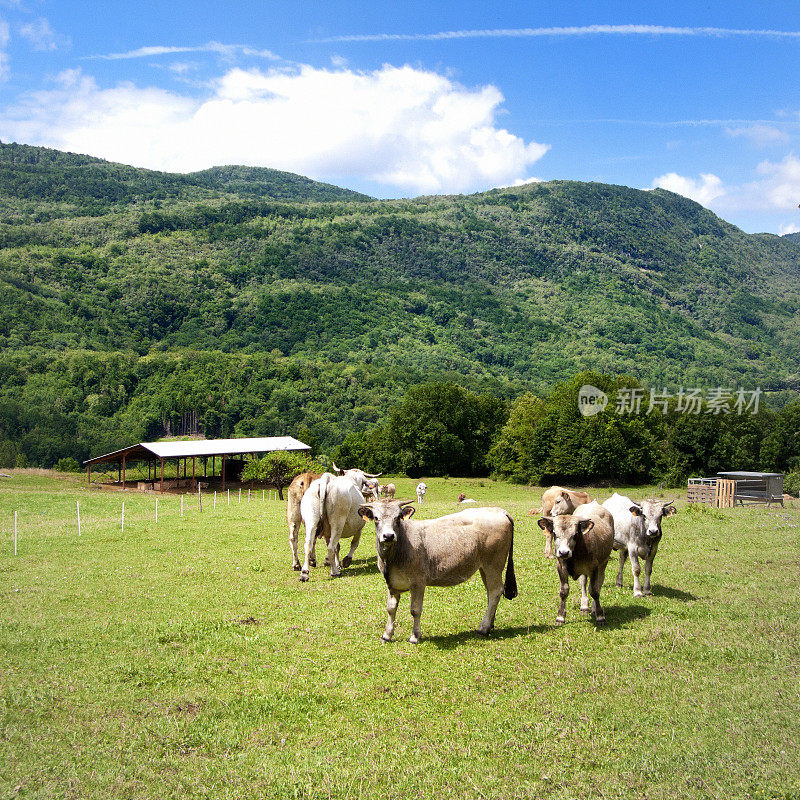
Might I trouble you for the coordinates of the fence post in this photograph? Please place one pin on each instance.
(248, 495)
(229, 496)
(156, 509)
(200, 499)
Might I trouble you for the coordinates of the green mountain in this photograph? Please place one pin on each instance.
(267, 302)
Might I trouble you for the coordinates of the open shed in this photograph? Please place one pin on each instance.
(156, 453)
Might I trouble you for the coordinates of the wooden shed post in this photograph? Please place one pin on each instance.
(193, 478)
(123, 471)
(223, 471)
(162, 476)
(88, 474)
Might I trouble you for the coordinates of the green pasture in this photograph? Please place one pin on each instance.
(185, 659)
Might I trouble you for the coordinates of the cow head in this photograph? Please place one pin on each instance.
(652, 512)
(565, 530)
(562, 505)
(388, 516)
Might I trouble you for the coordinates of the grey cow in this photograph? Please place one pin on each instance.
(637, 533)
(413, 554)
(583, 542)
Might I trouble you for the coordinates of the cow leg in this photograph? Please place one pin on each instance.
(623, 554)
(309, 550)
(636, 569)
(584, 594)
(563, 593)
(417, 594)
(595, 585)
(648, 569)
(293, 542)
(494, 590)
(392, 599)
(333, 554)
(348, 559)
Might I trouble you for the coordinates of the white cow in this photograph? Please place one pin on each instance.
(332, 501)
(421, 489)
(637, 532)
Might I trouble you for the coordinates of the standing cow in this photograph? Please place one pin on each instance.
(332, 501)
(388, 490)
(421, 489)
(637, 532)
(441, 552)
(297, 489)
(583, 542)
(556, 501)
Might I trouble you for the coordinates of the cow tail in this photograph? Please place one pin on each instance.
(322, 494)
(510, 583)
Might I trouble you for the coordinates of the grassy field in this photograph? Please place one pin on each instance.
(185, 659)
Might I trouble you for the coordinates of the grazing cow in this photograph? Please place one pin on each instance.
(295, 493)
(583, 542)
(388, 490)
(441, 552)
(555, 502)
(421, 489)
(332, 501)
(637, 532)
(372, 490)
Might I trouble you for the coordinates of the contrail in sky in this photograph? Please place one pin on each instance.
(583, 30)
(209, 47)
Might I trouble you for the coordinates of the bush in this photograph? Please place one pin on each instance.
(68, 464)
(279, 469)
(791, 484)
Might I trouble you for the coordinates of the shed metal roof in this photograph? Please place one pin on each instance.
(203, 447)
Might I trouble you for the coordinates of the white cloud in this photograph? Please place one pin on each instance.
(759, 135)
(40, 35)
(5, 37)
(225, 50)
(408, 128)
(791, 227)
(708, 188)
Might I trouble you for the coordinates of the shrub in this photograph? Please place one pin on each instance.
(791, 484)
(68, 464)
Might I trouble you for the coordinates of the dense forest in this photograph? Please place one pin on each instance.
(266, 303)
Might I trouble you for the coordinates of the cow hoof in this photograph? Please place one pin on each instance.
(327, 562)
(413, 639)
(304, 575)
(296, 567)
(347, 561)
(585, 610)
(483, 632)
(600, 622)
(619, 583)
(336, 574)
(647, 593)
(640, 593)
(560, 620)
(312, 562)
(386, 638)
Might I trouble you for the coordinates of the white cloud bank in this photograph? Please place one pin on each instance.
(707, 188)
(407, 128)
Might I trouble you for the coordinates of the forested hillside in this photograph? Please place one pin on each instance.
(269, 303)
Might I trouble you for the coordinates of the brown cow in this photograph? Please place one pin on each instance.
(556, 501)
(441, 552)
(583, 546)
(295, 494)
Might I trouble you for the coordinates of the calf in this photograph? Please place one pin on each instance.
(637, 532)
(557, 501)
(388, 490)
(421, 489)
(441, 552)
(583, 542)
(332, 501)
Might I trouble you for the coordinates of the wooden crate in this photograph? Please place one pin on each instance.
(702, 490)
(725, 492)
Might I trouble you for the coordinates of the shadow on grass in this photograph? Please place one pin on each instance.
(673, 594)
(621, 616)
(453, 640)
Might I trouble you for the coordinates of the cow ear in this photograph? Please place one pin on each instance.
(365, 512)
(407, 512)
(669, 509)
(636, 511)
(585, 525)
(546, 524)
(565, 495)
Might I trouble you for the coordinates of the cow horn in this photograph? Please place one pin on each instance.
(404, 503)
(670, 503)
(336, 469)
(373, 474)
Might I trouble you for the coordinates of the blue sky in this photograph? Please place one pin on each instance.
(402, 99)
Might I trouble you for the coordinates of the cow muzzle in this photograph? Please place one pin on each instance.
(563, 552)
(387, 537)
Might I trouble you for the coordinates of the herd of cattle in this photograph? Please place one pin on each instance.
(413, 554)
